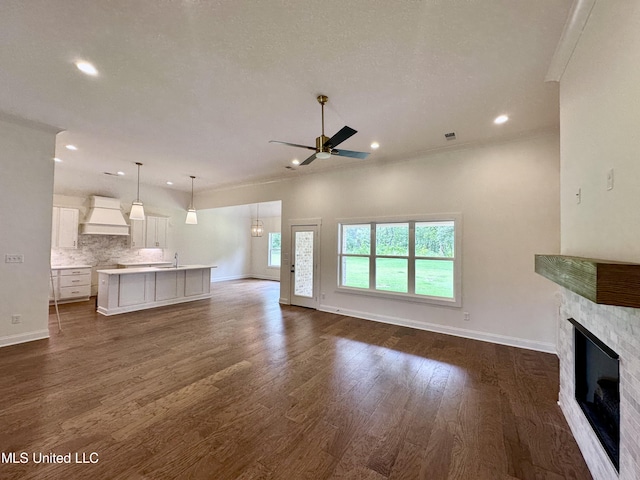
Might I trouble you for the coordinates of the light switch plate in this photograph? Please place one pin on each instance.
(610, 179)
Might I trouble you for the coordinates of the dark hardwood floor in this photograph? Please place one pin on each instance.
(240, 387)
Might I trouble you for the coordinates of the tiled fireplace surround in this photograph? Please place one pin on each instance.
(619, 328)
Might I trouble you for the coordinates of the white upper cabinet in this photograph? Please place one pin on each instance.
(137, 237)
(64, 228)
(149, 233)
(156, 232)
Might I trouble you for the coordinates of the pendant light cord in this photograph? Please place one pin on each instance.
(191, 207)
(138, 194)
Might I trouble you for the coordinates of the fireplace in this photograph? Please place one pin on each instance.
(604, 299)
(597, 388)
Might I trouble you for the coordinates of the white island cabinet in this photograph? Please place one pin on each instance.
(129, 289)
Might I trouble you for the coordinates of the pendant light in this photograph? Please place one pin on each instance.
(137, 210)
(257, 227)
(192, 217)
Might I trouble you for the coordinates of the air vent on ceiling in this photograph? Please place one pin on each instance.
(450, 136)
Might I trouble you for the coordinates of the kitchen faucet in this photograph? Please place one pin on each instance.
(175, 257)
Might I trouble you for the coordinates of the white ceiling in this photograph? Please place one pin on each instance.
(199, 87)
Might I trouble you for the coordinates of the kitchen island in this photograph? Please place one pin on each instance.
(123, 290)
(144, 264)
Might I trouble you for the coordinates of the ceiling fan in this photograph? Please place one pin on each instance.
(325, 146)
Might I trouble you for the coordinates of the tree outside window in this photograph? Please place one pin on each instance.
(274, 249)
(416, 258)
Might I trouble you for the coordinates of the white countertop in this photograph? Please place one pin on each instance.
(128, 264)
(127, 271)
(67, 267)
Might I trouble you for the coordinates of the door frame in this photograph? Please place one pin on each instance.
(315, 223)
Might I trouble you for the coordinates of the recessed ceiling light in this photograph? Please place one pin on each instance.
(87, 68)
(120, 173)
(295, 161)
(58, 160)
(499, 120)
(375, 145)
(169, 183)
(71, 147)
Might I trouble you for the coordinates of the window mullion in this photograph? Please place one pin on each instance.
(372, 257)
(411, 260)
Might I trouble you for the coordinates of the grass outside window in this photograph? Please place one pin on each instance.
(415, 258)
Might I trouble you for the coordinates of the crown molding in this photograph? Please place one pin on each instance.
(573, 28)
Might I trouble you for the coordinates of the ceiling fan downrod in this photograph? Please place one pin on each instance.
(321, 140)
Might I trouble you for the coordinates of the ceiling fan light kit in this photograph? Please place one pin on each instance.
(325, 146)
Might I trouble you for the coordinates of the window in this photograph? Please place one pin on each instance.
(274, 249)
(418, 259)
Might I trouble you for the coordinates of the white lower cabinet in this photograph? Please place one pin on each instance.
(70, 284)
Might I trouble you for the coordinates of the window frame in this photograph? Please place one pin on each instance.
(270, 250)
(412, 258)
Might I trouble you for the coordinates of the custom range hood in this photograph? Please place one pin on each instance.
(104, 218)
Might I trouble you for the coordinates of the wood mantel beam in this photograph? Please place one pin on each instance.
(601, 281)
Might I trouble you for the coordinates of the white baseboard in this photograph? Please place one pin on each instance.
(455, 331)
(230, 277)
(23, 338)
(265, 277)
(244, 276)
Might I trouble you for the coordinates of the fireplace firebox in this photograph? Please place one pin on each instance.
(597, 374)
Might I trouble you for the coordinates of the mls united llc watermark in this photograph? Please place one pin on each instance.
(39, 457)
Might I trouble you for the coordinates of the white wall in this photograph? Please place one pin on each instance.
(600, 125)
(26, 192)
(508, 195)
(221, 237)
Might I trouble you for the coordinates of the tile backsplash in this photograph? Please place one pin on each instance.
(103, 251)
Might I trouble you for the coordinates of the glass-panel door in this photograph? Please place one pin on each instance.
(304, 266)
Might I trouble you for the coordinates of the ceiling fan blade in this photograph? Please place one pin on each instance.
(349, 153)
(344, 133)
(293, 145)
(309, 160)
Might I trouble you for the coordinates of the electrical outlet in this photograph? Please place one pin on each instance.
(17, 318)
(467, 316)
(13, 258)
